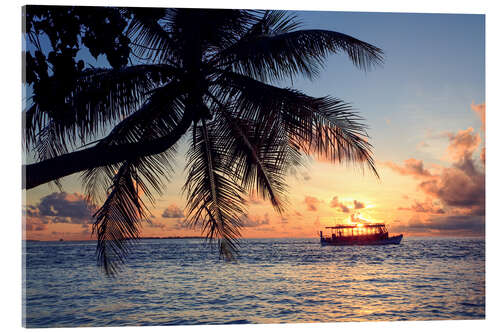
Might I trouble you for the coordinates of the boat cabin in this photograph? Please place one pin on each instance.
(359, 234)
(350, 230)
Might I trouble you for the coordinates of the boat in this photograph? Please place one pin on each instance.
(359, 234)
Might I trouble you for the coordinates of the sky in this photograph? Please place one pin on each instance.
(425, 110)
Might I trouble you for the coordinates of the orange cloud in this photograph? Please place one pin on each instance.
(411, 167)
(424, 207)
(480, 110)
(358, 204)
(311, 203)
(463, 144)
(336, 203)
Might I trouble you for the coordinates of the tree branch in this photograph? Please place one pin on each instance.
(36, 174)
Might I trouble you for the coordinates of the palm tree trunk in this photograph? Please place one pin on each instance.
(45, 171)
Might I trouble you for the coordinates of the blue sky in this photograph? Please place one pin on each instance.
(434, 68)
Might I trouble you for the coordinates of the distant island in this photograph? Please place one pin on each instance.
(83, 240)
(173, 237)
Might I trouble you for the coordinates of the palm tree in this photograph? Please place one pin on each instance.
(208, 74)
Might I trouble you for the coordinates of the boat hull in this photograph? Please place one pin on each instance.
(394, 240)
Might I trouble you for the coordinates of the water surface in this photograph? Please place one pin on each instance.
(182, 282)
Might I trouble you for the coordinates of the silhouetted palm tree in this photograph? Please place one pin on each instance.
(210, 73)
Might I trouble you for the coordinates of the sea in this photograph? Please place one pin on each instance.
(183, 282)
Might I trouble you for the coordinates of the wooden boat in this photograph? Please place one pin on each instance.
(359, 234)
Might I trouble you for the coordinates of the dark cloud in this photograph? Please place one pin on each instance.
(61, 207)
(461, 225)
(311, 203)
(425, 207)
(461, 186)
(172, 211)
(31, 211)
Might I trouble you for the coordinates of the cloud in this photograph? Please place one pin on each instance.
(157, 225)
(179, 224)
(460, 225)
(411, 167)
(463, 144)
(61, 207)
(480, 110)
(463, 184)
(358, 204)
(342, 207)
(424, 207)
(458, 189)
(172, 211)
(252, 222)
(171, 224)
(311, 203)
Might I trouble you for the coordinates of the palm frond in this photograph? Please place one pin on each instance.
(157, 118)
(99, 99)
(214, 200)
(117, 222)
(149, 38)
(203, 69)
(259, 154)
(118, 219)
(324, 126)
(278, 52)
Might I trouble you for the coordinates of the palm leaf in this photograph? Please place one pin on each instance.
(117, 220)
(215, 201)
(100, 98)
(258, 154)
(323, 126)
(273, 51)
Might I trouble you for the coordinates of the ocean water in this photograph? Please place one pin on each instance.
(182, 282)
